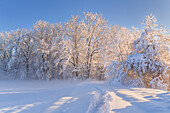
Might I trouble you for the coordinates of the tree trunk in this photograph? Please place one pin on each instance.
(169, 82)
(27, 68)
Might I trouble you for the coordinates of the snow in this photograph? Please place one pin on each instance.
(79, 97)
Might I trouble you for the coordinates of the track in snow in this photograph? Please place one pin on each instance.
(79, 97)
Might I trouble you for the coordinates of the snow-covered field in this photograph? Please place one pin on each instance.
(79, 97)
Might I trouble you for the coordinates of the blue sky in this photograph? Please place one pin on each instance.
(23, 13)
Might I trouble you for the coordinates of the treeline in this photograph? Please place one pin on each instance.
(81, 48)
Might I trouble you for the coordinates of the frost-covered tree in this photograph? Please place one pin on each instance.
(120, 46)
(49, 46)
(94, 29)
(14, 64)
(27, 56)
(6, 47)
(145, 67)
(73, 33)
(57, 52)
(43, 41)
(121, 39)
(83, 48)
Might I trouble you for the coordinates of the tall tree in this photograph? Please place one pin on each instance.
(73, 33)
(43, 40)
(94, 29)
(27, 55)
(6, 47)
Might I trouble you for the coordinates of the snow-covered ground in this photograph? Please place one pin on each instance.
(79, 97)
